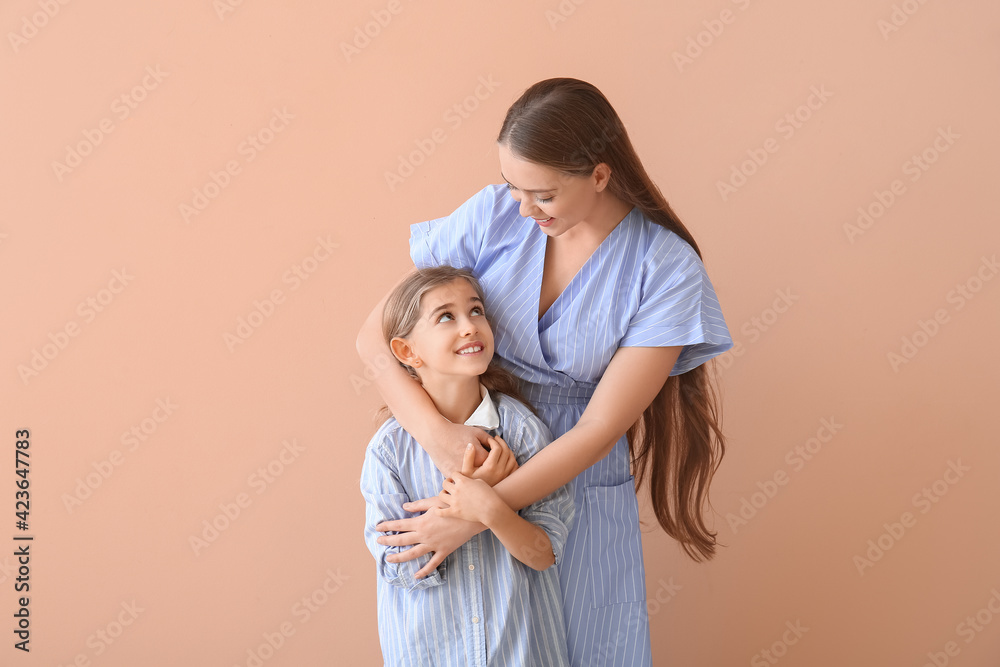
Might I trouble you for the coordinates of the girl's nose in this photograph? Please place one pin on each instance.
(468, 326)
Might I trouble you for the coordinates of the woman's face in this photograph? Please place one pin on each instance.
(557, 201)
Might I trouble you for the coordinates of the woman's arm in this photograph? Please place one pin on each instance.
(633, 378)
(411, 406)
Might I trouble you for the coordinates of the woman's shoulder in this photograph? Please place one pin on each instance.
(662, 247)
(495, 198)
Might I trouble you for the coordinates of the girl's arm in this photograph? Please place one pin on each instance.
(474, 500)
(384, 496)
(633, 378)
(410, 405)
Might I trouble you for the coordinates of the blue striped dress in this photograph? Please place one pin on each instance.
(644, 286)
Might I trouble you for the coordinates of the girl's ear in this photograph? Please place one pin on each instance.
(404, 352)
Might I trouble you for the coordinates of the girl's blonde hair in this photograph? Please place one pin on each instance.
(402, 310)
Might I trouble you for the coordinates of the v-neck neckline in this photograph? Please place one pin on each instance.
(547, 316)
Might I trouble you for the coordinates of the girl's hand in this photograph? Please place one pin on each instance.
(429, 532)
(467, 498)
(447, 442)
(499, 464)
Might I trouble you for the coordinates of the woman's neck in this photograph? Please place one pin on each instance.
(601, 221)
(455, 398)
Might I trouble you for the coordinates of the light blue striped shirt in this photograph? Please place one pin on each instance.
(481, 606)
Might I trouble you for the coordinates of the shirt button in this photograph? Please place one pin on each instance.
(471, 566)
(475, 619)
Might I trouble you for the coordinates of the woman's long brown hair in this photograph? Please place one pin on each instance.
(677, 444)
(402, 310)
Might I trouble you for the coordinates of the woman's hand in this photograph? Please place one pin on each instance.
(499, 464)
(447, 442)
(429, 532)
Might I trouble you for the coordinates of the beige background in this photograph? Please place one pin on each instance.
(885, 80)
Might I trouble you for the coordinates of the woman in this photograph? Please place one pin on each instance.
(603, 308)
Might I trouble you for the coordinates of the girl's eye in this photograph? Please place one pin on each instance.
(478, 311)
(545, 201)
(443, 316)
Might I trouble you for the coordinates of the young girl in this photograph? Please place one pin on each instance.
(605, 311)
(496, 600)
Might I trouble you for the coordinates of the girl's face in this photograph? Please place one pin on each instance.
(557, 201)
(452, 336)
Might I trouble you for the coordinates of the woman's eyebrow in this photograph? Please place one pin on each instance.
(534, 192)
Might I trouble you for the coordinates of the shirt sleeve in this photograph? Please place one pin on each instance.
(678, 306)
(457, 239)
(554, 513)
(384, 497)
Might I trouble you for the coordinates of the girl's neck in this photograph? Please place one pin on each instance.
(455, 397)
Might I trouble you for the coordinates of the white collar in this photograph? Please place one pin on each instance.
(485, 416)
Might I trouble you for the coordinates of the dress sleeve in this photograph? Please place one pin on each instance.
(384, 497)
(457, 239)
(678, 306)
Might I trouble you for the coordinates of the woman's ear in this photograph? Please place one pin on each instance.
(601, 176)
(404, 352)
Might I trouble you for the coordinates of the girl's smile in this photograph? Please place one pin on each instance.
(452, 336)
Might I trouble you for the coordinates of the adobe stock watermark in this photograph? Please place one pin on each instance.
(453, 116)
(779, 648)
(968, 629)
(258, 481)
(32, 23)
(698, 43)
(295, 276)
(923, 500)
(224, 8)
(121, 107)
(302, 611)
(786, 127)
(665, 592)
(370, 30)
(926, 329)
(382, 361)
(248, 149)
(914, 167)
(757, 325)
(104, 637)
(8, 568)
(898, 17)
(88, 309)
(562, 12)
(131, 440)
(796, 458)
(604, 653)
